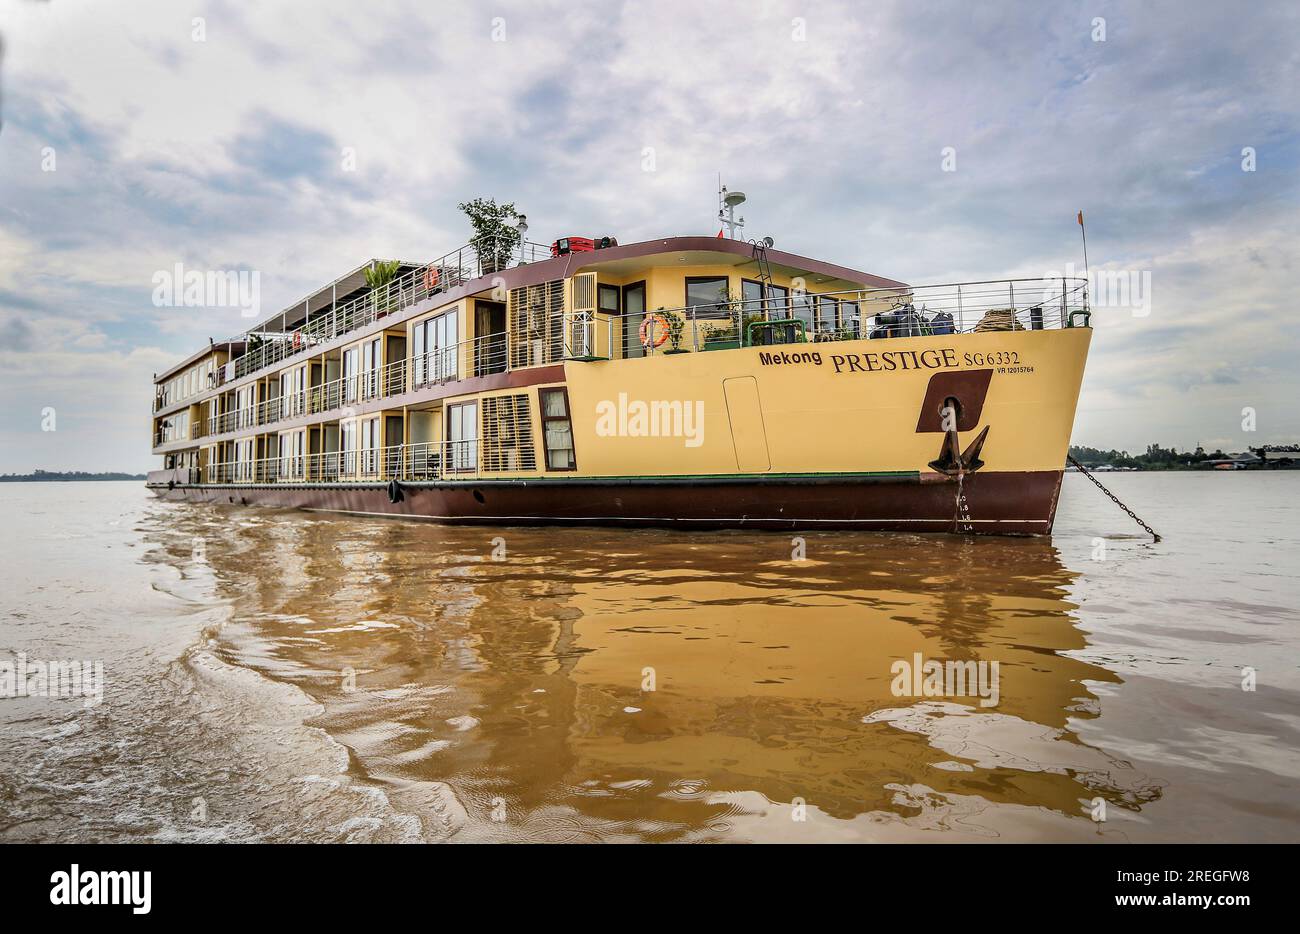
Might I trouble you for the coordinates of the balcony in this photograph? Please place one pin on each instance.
(482, 356)
(440, 276)
(423, 462)
(913, 311)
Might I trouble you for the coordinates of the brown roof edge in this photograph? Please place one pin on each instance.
(739, 248)
(561, 267)
(193, 359)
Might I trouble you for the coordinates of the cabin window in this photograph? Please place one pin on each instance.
(351, 367)
(707, 297)
(292, 392)
(801, 307)
(828, 314)
(751, 291)
(609, 299)
(851, 317)
(435, 348)
(778, 301)
(292, 454)
(462, 436)
(348, 447)
(370, 444)
(557, 430)
(371, 357)
(508, 434)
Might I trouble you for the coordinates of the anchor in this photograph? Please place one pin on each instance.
(952, 460)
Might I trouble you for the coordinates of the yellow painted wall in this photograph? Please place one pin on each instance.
(817, 419)
(666, 289)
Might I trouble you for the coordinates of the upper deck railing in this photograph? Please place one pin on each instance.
(481, 356)
(443, 274)
(786, 317)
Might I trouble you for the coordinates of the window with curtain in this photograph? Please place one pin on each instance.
(436, 348)
(557, 430)
(348, 447)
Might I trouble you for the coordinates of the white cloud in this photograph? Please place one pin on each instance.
(227, 153)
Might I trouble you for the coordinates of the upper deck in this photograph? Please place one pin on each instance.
(462, 324)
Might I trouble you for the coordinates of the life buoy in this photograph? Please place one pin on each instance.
(431, 278)
(660, 324)
(297, 340)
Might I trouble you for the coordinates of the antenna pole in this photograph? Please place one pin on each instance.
(1084, 231)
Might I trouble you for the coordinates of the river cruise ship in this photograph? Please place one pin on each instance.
(692, 382)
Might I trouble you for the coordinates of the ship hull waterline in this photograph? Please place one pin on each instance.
(994, 502)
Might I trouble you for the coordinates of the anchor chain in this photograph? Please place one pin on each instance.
(1132, 515)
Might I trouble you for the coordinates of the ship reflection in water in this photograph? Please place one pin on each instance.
(494, 682)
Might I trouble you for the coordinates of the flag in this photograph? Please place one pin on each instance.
(720, 237)
(1080, 218)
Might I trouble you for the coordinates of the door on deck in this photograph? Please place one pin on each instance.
(490, 331)
(748, 435)
(633, 314)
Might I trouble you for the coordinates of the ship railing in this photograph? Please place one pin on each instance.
(366, 386)
(442, 275)
(427, 461)
(480, 356)
(791, 316)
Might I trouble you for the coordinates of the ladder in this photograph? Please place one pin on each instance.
(764, 268)
(765, 279)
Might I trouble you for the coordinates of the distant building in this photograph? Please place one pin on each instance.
(1242, 461)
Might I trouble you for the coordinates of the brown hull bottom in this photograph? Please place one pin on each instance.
(1008, 503)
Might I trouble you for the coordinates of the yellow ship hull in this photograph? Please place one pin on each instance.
(848, 434)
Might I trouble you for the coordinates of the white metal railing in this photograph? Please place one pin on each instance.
(423, 461)
(388, 380)
(916, 311)
(443, 274)
(481, 356)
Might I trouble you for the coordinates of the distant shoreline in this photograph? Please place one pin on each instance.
(43, 476)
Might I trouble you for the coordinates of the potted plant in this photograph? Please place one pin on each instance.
(496, 232)
(378, 275)
(676, 327)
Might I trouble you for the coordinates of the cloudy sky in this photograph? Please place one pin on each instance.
(134, 139)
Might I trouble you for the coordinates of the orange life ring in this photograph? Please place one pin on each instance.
(430, 278)
(297, 340)
(661, 325)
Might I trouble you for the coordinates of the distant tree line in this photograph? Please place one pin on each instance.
(65, 475)
(1158, 458)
